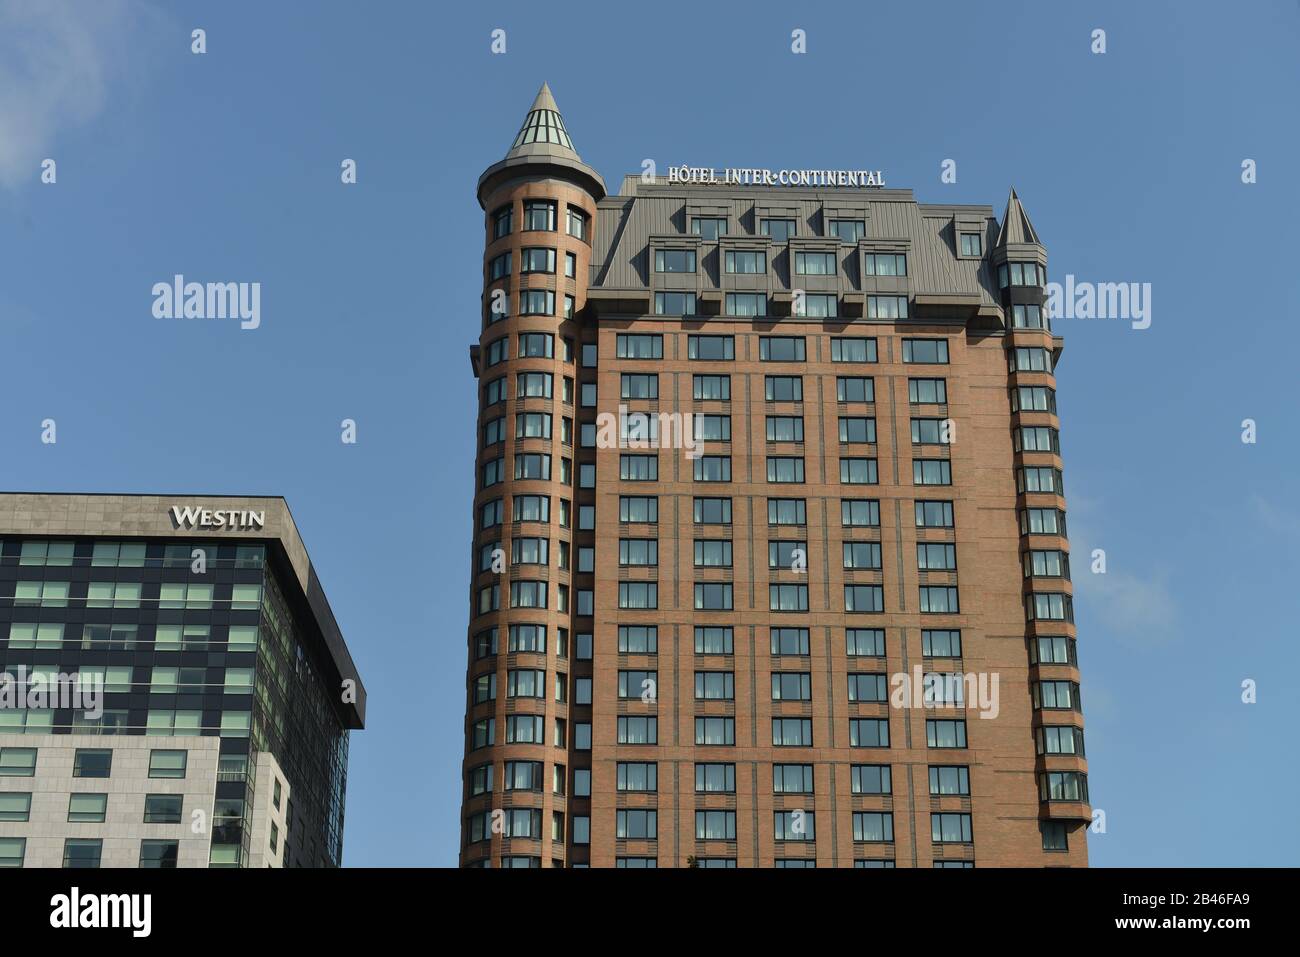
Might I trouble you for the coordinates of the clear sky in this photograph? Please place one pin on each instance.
(225, 166)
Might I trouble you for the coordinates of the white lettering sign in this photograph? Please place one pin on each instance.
(707, 176)
(198, 517)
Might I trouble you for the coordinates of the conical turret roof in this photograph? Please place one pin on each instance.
(1016, 227)
(543, 132)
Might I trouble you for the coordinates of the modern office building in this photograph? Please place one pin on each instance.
(176, 692)
(770, 563)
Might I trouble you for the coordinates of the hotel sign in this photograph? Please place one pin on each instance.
(217, 519)
(707, 176)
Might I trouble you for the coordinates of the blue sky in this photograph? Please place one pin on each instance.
(225, 166)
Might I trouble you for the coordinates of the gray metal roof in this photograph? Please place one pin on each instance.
(929, 233)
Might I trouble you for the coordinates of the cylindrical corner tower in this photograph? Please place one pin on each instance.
(527, 765)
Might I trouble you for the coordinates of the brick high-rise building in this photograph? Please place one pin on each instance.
(812, 607)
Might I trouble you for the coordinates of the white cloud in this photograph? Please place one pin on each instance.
(1131, 600)
(57, 58)
(1141, 610)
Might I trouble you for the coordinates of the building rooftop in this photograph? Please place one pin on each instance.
(151, 516)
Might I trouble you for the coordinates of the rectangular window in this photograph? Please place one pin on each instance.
(92, 763)
(779, 229)
(712, 511)
(787, 597)
(719, 731)
(862, 555)
(708, 227)
(869, 732)
(855, 389)
(781, 348)
(539, 214)
(860, 513)
(792, 779)
(638, 595)
(857, 430)
(887, 307)
(713, 596)
(1033, 398)
(745, 262)
(848, 230)
(536, 259)
(858, 471)
(783, 388)
(86, 808)
(637, 729)
(944, 733)
(713, 387)
(715, 778)
(712, 553)
(715, 348)
(936, 556)
(638, 639)
(576, 224)
(715, 825)
(19, 762)
(786, 511)
(885, 264)
(745, 304)
(815, 264)
(940, 643)
(713, 640)
(939, 599)
(865, 642)
(639, 346)
(926, 351)
(640, 777)
(794, 825)
(16, 807)
(784, 428)
(972, 244)
(82, 852)
(873, 827)
(791, 686)
(638, 509)
(949, 780)
(931, 472)
(789, 642)
(638, 551)
(872, 779)
(715, 686)
(950, 828)
(536, 302)
(674, 260)
(792, 732)
(637, 825)
(162, 808)
(864, 598)
(844, 349)
(784, 469)
(502, 222)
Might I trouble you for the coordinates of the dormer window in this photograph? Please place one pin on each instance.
(885, 264)
(674, 260)
(779, 229)
(972, 244)
(814, 264)
(848, 230)
(746, 262)
(709, 227)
